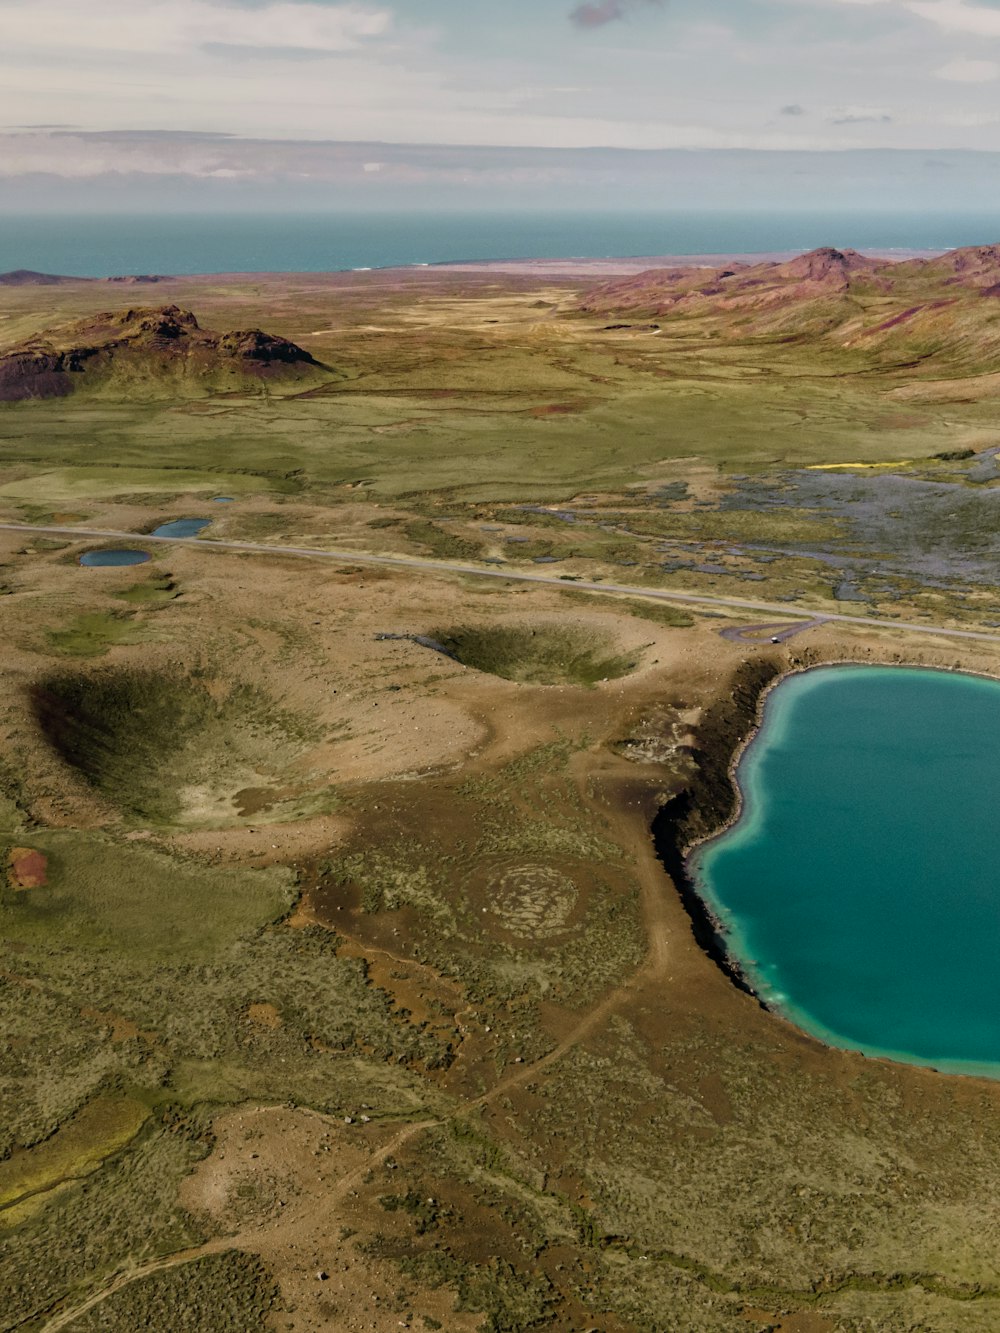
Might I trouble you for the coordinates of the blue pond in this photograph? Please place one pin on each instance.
(182, 527)
(94, 559)
(223, 499)
(860, 888)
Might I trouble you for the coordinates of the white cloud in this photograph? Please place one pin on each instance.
(951, 15)
(969, 71)
(176, 26)
(380, 72)
(957, 16)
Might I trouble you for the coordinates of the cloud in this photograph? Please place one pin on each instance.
(957, 16)
(951, 15)
(969, 71)
(160, 27)
(862, 118)
(596, 13)
(793, 109)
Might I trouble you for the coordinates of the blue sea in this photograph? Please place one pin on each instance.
(92, 245)
(860, 889)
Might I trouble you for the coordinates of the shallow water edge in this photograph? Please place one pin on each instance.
(714, 802)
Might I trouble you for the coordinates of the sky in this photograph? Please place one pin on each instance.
(324, 99)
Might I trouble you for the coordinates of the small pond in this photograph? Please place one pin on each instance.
(182, 527)
(96, 559)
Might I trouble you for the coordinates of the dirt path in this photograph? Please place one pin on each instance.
(417, 563)
(242, 1240)
(653, 898)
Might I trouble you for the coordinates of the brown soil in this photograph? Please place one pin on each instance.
(27, 868)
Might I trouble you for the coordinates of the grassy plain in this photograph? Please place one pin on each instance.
(356, 995)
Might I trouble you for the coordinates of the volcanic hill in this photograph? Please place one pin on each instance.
(918, 309)
(148, 353)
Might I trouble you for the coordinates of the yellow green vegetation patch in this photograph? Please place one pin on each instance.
(92, 633)
(538, 654)
(151, 593)
(101, 1129)
(78, 483)
(133, 901)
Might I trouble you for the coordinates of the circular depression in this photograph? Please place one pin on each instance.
(858, 890)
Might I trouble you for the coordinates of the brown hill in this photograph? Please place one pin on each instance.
(817, 276)
(976, 267)
(826, 265)
(928, 310)
(146, 352)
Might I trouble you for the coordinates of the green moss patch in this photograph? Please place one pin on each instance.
(93, 633)
(538, 654)
(152, 592)
(131, 900)
(102, 1128)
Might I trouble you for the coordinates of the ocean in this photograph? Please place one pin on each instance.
(94, 246)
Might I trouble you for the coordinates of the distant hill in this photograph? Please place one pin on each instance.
(26, 277)
(147, 353)
(944, 311)
(819, 274)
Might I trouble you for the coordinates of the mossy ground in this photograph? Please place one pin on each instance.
(478, 942)
(92, 633)
(543, 654)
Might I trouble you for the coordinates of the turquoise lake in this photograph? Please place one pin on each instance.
(859, 891)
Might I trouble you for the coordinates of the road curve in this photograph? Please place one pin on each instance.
(508, 575)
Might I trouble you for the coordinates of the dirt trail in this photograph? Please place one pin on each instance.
(654, 885)
(654, 888)
(242, 1240)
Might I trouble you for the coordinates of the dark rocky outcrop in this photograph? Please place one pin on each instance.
(709, 800)
(146, 347)
(138, 279)
(39, 374)
(718, 736)
(255, 345)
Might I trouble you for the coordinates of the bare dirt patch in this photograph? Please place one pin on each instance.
(27, 868)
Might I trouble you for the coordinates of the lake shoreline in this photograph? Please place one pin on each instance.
(675, 845)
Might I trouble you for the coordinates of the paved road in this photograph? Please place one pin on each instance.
(502, 572)
(775, 633)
